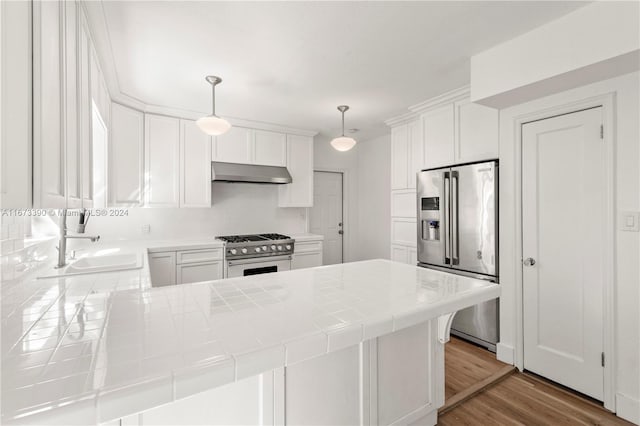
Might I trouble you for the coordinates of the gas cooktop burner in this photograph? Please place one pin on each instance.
(252, 237)
(258, 245)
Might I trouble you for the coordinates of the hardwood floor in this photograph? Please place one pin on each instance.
(517, 399)
(467, 364)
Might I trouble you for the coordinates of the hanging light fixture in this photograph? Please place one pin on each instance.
(343, 143)
(212, 124)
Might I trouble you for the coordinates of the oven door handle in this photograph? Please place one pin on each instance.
(257, 260)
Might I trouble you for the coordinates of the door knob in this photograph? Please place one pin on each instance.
(340, 224)
(529, 261)
(341, 232)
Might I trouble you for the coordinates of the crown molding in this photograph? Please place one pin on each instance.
(401, 119)
(100, 38)
(454, 95)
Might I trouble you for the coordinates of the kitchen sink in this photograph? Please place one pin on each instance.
(96, 264)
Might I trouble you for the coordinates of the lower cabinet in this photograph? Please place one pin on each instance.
(185, 266)
(307, 254)
(404, 254)
(196, 272)
(162, 267)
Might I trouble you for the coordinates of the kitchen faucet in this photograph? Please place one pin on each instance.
(62, 245)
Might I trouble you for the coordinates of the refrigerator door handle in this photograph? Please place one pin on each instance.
(446, 235)
(455, 242)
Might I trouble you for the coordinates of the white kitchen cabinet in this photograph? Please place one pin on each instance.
(412, 255)
(306, 260)
(234, 146)
(162, 267)
(85, 111)
(49, 164)
(476, 132)
(415, 161)
(126, 157)
(71, 108)
(306, 254)
(196, 272)
(399, 157)
(195, 167)
(298, 193)
(438, 127)
(407, 156)
(400, 253)
(269, 148)
(161, 165)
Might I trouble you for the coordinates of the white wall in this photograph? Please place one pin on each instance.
(328, 159)
(374, 198)
(627, 244)
(367, 181)
(237, 208)
(595, 42)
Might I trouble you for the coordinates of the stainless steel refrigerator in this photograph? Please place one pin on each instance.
(458, 233)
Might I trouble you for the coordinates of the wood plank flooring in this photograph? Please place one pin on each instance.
(519, 399)
(465, 365)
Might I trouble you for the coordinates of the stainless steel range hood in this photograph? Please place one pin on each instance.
(248, 173)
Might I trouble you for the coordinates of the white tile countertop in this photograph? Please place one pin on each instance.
(89, 349)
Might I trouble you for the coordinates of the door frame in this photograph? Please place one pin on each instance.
(346, 247)
(607, 102)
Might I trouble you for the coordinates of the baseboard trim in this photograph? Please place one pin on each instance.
(628, 408)
(475, 389)
(505, 353)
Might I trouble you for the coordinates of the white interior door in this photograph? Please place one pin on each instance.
(564, 199)
(326, 214)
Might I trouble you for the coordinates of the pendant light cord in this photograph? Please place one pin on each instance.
(342, 123)
(213, 97)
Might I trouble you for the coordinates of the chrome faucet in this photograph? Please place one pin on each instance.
(62, 245)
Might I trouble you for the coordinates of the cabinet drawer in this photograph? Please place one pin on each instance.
(307, 246)
(197, 272)
(193, 256)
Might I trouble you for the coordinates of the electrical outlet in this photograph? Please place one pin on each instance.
(145, 229)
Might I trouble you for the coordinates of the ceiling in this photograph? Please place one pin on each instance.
(292, 63)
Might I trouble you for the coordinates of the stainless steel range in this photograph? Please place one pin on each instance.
(257, 254)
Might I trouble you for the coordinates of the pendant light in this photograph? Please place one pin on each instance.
(212, 124)
(343, 143)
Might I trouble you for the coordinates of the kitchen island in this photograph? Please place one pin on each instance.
(355, 343)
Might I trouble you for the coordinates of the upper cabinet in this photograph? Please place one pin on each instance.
(195, 167)
(64, 155)
(126, 157)
(249, 146)
(476, 132)
(233, 146)
(269, 148)
(299, 162)
(439, 137)
(460, 132)
(407, 154)
(161, 161)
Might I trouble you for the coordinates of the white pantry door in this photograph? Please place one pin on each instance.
(564, 202)
(326, 214)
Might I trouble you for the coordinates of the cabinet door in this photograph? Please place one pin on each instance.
(72, 140)
(269, 148)
(233, 147)
(195, 167)
(126, 171)
(299, 193)
(399, 157)
(162, 267)
(306, 260)
(438, 126)
(415, 150)
(399, 254)
(476, 132)
(85, 112)
(412, 256)
(162, 153)
(49, 183)
(197, 272)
